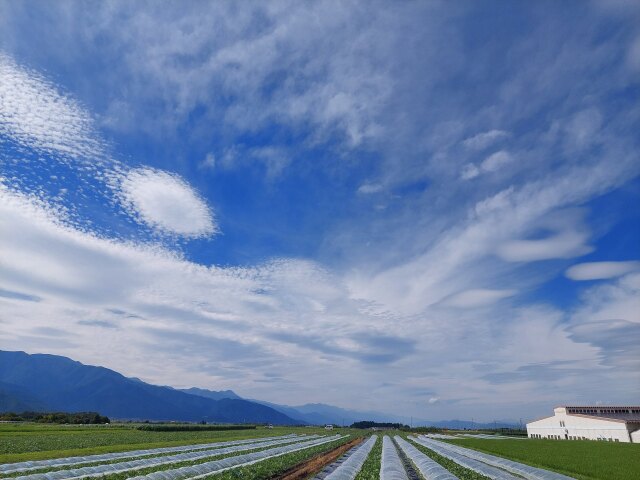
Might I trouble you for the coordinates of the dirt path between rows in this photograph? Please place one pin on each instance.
(317, 463)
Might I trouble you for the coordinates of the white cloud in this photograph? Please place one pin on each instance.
(477, 298)
(563, 245)
(469, 171)
(209, 161)
(166, 203)
(433, 400)
(617, 300)
(566, 237)
(326, 82)
(601, 270)
(608, 319)
(492, 163)
(233, 323)
(485, 139)
(456, 258)
(368, 188)
(227, 327)
(583, 128)
(33, 113)
(496, 161)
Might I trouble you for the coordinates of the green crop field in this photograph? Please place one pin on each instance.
(29, 441)
(583, 460)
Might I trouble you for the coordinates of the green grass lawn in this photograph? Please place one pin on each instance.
(29, 441)
(584, 460)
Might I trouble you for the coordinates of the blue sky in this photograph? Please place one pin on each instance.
(420, 207)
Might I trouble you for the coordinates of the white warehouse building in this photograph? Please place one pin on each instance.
(612, 424)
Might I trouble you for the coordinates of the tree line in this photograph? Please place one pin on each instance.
(55, 417)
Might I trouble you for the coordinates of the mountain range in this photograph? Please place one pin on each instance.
(53, 383)
(42, 382)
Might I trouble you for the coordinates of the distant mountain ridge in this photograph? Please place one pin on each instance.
(66, 385)
(49, 382)
(215, 395)
(320, 414)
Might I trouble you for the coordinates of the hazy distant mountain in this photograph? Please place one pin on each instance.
(322, 414)
(215, 395)
(49, 382)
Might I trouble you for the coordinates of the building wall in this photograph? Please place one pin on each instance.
(570, 427)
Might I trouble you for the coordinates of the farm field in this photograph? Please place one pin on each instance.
(267, 451)
(583, 460)
(22, 442)
(121, 452)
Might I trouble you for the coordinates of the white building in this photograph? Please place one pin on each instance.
(612, 424)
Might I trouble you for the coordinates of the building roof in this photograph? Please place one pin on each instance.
(603, 407)
(624, 413)
(609, 413)
(607, 419)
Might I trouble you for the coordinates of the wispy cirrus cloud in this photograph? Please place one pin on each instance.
(485, 139)
(492, 163)
(477, 298)
(601, 270)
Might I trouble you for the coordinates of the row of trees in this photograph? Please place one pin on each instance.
(370, 424)
(151, 427)
(55, 417)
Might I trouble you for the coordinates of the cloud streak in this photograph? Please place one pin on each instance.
(601, 270)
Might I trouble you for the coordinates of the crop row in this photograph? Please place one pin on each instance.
(275, 466)
(90, 460)
(385, 463)
(391, 466)
(352, 465)
(214, 467)
(371, 468)
(18, 443)
(190, 463)
(142, 463)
